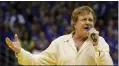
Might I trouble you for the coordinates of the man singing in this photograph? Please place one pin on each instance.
(83, 46)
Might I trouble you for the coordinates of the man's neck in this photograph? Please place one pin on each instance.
(79, 40)
(79, 37)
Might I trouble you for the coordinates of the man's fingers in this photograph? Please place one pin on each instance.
(9, 42)
(16, 37)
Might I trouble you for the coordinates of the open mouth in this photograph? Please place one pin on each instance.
(86, 28)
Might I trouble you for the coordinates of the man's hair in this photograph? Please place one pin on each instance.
(77, 11)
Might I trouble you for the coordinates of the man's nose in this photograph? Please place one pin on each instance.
(87, 21)
(88, 25)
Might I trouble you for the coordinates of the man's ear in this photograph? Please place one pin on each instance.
(73, 24)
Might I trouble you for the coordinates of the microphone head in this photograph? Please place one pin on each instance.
(89, 28)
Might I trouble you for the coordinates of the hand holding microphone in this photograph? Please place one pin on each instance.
(93, 36)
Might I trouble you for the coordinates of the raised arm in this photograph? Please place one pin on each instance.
(47, 57)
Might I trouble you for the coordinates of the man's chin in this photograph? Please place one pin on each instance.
(85, 31)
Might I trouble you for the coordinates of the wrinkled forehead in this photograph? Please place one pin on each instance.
(84, 12)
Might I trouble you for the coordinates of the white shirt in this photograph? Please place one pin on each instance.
(62, 51)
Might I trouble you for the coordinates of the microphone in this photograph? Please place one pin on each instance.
(93, 36)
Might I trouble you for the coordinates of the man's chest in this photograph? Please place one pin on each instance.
(68, 55)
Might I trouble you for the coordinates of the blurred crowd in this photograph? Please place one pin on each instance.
(38, 23)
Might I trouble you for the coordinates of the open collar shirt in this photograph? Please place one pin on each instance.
(62, 51)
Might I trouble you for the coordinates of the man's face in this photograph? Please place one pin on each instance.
(84, 22)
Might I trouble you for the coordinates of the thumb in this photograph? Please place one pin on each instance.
(16, 37)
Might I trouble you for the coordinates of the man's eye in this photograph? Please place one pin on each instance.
(83, 19)
(90, 20)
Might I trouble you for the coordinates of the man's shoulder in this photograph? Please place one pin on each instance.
(101, 39)
(62, 38)
(102, 42)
